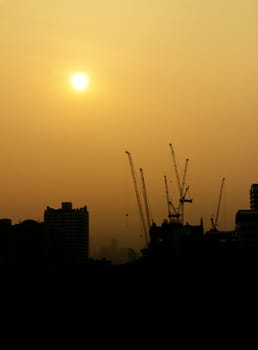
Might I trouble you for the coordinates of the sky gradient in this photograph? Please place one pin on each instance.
(171, 71)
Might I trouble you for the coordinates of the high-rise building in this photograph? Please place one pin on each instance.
(247, 228)
(69, 228)
(254, 197)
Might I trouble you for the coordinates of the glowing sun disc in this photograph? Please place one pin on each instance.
(79, 81)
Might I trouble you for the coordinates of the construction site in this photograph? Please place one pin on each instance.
(177, 245)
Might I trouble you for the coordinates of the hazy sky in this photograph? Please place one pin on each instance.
(161, 71)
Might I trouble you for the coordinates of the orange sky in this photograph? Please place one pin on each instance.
(180, 71)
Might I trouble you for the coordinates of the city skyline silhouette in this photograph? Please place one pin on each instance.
(64, 236)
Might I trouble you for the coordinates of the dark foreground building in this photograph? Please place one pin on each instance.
(247, 231)
(69, 227)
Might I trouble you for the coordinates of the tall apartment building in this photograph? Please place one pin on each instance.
(247, 227)
(254, 197)
(69, 229)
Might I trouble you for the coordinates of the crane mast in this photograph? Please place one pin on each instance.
(184, 190)
(167, 196)
(147, 210)
(132, 168)
(184, 176)
(170, 203)
(181, 186)
(214, 224)
(175, 167)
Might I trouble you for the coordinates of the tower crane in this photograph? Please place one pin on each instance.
(184, 176)
(184, 191)
(167, 197)
(175, 167)
(145, 198)
(132, 168)
(170, 203)
(215, 223)
(181, 186)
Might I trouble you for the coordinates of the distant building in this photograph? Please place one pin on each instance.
(126, 255)
(117, 255)
(254, 197)
(110, 252)
(70, 229)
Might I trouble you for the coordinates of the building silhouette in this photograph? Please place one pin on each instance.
(254, 197)
(69, 227)
(27, 244)
(247, 228)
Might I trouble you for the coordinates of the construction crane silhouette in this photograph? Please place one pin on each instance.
(215, 223)
(175, 167)
(184, 191)
(181, 185)
(145, 198)
(170, 205)
(134, 177)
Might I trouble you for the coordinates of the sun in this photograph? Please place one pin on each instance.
(79, 81)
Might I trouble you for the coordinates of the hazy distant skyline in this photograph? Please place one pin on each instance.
(181, 71)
